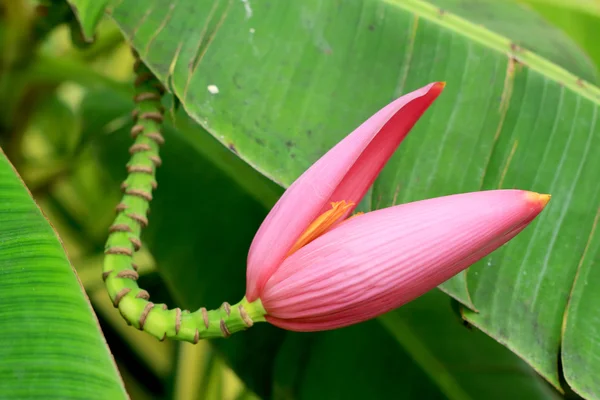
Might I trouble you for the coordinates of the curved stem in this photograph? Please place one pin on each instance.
(119, 272)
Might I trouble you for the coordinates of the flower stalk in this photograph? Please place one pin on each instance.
(119, 271)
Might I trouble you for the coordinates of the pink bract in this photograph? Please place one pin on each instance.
(370, 264)
(383, 259)
(344, 173)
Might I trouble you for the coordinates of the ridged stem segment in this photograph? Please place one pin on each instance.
(119, 271)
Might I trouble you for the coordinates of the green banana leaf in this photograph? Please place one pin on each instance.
(526, 29)
(204, 215)
(281, 82)
(51, 346)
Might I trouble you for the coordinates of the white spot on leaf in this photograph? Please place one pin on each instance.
(213, 89)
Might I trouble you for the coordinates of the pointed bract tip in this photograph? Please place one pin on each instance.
(545, 198)
(437, 88)
(541, 199)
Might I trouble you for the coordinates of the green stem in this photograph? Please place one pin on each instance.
(119, 272)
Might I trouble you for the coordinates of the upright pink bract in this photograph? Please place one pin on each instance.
(357, 269)
(344, 173)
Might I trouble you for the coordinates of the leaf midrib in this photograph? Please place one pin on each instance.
(499, 44)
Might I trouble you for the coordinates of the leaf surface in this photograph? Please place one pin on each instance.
(52, 346)
(282, 82)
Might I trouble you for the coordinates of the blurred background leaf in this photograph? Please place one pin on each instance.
(591, 7)
(88, 13)
(579, 19)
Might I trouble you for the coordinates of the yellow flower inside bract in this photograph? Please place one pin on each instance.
(322, 224)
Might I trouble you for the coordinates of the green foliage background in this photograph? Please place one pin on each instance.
(65, 127)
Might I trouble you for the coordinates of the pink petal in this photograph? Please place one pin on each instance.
(344, 173)
(379, 261)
